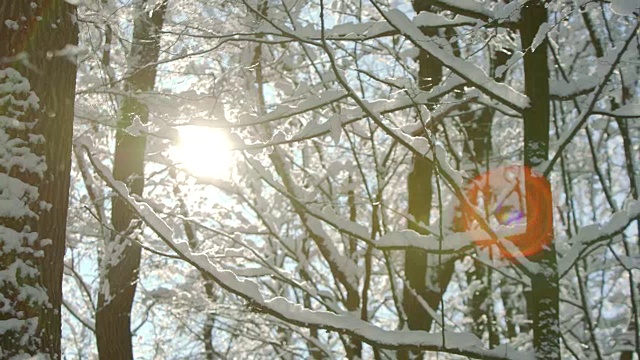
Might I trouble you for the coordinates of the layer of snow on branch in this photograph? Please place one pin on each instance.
(563, 89)
(143, 209)
(454, 242)
(372, 29)
(295, 313)
(629, 110)
(383, 106)
(341, 223)
(463, 68)
(543, 30)
(625, 7)
(606, 66)
(592, 234)
(471, 6)
(285, 110)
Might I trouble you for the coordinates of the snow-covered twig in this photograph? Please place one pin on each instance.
(466, 70)
(594, 234)
(455, 343)
(566, 138)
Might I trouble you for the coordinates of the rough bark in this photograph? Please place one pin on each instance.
(424, 281)
(42, 28)
(542, 300)
(121, 266)
(477, 148)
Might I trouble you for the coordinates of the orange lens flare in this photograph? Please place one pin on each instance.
(512, 195)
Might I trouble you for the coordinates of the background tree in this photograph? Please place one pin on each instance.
(121, 258)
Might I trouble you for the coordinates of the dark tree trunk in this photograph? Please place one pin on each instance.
(52, 76)
(424, 281)
(542, 301)
(113, 316)
(477, 147)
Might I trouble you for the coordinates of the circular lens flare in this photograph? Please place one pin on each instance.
(202, 151)
(518, 196)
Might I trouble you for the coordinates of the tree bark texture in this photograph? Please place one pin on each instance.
(425, 282)
(477, 148)
(121, 260)
(542, 302)
(32, 45)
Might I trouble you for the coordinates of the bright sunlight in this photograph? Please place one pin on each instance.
(202, 151)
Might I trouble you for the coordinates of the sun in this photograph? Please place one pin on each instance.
(203, 152)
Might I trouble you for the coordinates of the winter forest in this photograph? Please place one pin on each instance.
(319, 179)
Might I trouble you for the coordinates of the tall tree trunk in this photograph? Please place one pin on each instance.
(424, 281)
(40, 29)
(542, 301)
(478, 150)
(121, 260)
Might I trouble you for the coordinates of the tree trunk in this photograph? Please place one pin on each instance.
(121, 260)
(39, 29)
(424, 281)
(478, 150)
(542, 301)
